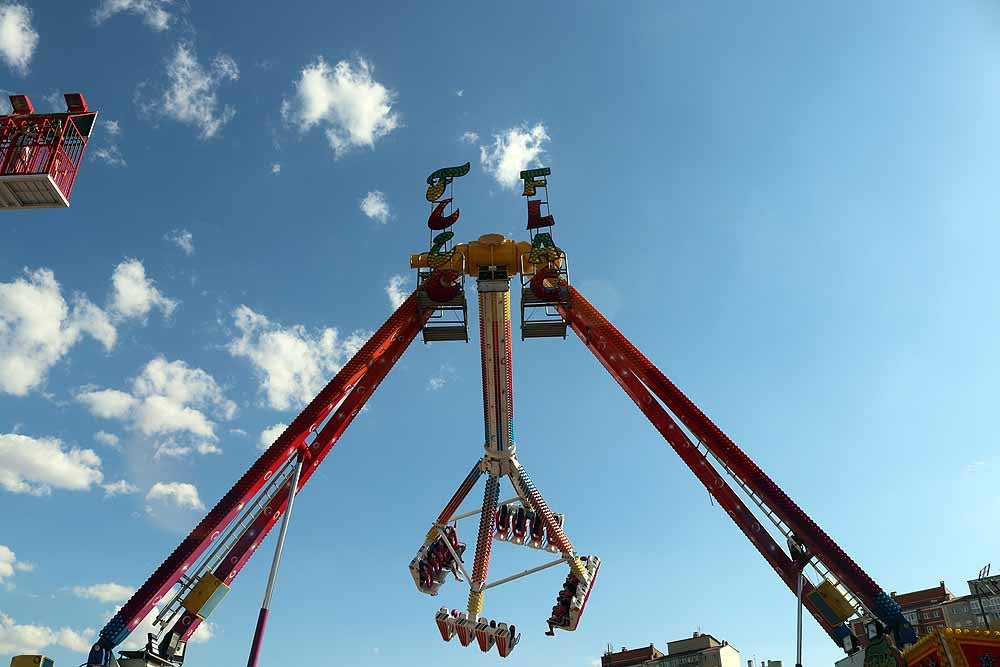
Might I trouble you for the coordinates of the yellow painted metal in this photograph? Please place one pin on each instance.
(202, 592)
(475, 604)
(577, 567)
(488, 250)
(835, 600)
(26, 660)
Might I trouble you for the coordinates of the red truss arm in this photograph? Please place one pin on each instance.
(356, 381)
(639, 377)
(237, 556)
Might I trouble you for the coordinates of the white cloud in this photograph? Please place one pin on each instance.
(192, 94)
(18, 38)
(7, 561)
(28, 639)
(207, 448)
(37, 465)
(396, 289)
(444, 375)
(119, 488)
(153, 12)
(183, 239)
(203, 633)
(270, 434)
(108, 403)
(37, 328)
(78, 642)
(293, 363)
(460, 92)
(238, 431)
(134, 295)
(513, 151)
(54, 101)
(168, 398)
(170, 448)
(375, 206)
(276, 168)
(137, 639)
(109, 592)
(355, 109)
(111, 155)
(24, 566)
(179, 494)
(469, 137)
(105, 438)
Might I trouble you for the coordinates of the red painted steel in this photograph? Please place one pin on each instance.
(624, 362)
(591, 323)
(258, 637)
(42, 144)
(405, 321)
(241, 551)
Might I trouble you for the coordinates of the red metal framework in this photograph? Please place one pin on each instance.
(40, 154)
(197, 574)
(313, 433)
(645, 383)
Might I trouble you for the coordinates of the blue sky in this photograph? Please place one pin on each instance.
(791, 208)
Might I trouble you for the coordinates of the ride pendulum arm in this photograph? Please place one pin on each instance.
(257, 500)
(846, 590)
(493, 260)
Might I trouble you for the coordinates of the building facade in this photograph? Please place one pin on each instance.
(699, 650)
(933, 609)
(923, 609)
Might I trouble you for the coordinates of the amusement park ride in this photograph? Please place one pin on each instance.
(40, 154)
(194, 579)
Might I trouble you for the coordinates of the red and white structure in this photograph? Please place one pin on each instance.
(194, 578)
(41, 153)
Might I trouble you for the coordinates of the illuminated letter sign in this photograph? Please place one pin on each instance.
(528, 176)
(439, 180)
(535, 217)
(438, 220)
(435, 257)
(543, 249)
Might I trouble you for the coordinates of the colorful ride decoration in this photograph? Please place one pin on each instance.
(197, 574)
(41, 153)
(955, 647)
(545, 272)
(441, 272)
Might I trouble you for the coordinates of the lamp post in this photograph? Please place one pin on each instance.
(800, 556)
(258, 634)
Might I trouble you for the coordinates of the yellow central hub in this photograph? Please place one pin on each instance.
(489, 250)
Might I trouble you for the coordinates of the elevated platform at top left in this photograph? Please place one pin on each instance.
(40, 154)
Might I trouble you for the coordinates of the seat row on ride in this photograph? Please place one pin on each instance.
(572, 599)
(486, 632)
(523, 526)
(435, 559)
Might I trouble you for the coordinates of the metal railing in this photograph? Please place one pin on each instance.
(214, 557)
(50, 145)
(814, 562)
